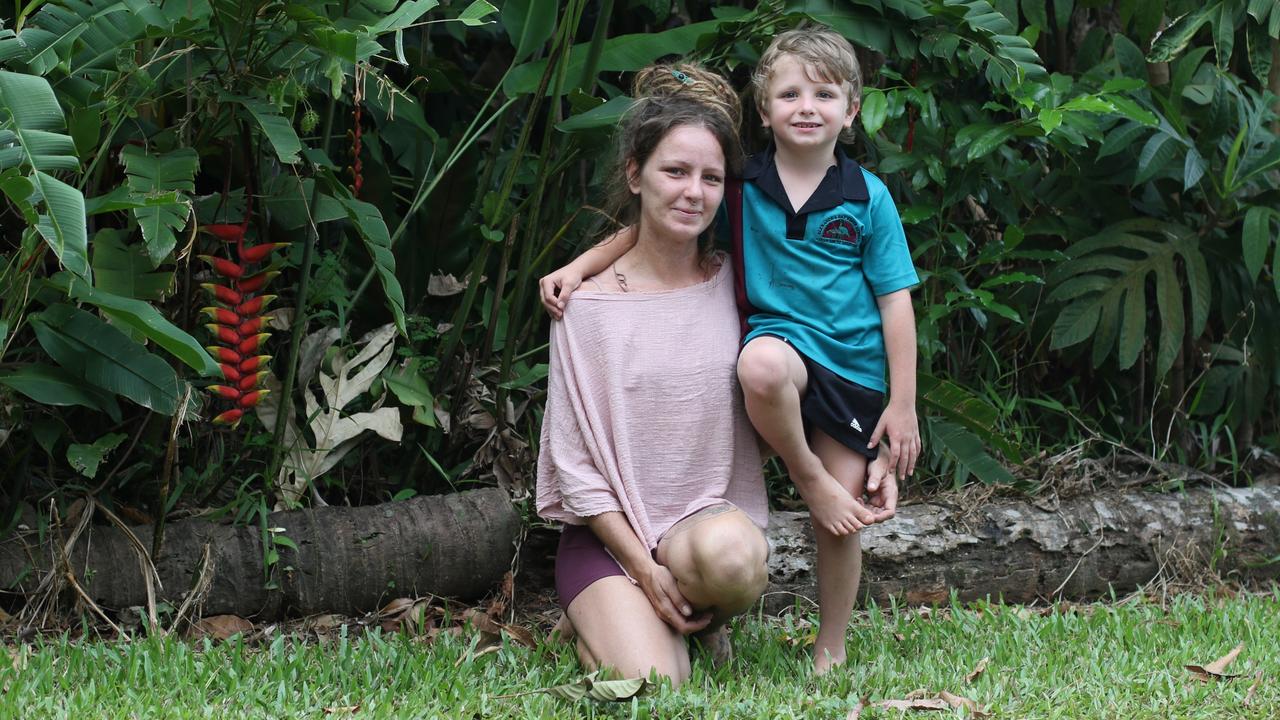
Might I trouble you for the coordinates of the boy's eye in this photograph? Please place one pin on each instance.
(825, 95)
(788, 94)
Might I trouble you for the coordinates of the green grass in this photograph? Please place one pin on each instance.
(1099, 661)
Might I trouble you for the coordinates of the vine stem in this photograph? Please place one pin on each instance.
(300, 317)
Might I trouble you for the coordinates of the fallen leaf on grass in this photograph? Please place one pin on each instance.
(601, 690)
(955, 701)
(916, 704)
(396, 607)
(487, 650)
(918, 700)
(1248, 697)
(344, 709)
(521, 635)
(220, 627)
(856, 712)
(1217, 668)
(977, 670)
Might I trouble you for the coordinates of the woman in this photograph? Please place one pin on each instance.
(647, 454)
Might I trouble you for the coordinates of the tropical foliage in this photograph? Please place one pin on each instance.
(1090, 190)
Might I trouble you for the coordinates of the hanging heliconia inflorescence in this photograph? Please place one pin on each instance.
(238, 325)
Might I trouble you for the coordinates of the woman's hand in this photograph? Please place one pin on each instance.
(556, 288)
(660, 586)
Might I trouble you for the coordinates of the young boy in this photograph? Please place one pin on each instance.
(824, 275)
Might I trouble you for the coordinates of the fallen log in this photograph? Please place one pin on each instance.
(331, 559)
(1084, 548)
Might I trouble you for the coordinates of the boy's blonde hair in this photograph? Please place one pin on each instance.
(820, 49)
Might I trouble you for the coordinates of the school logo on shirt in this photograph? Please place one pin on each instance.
(840, 228)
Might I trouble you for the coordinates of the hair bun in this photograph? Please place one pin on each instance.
(691, 81)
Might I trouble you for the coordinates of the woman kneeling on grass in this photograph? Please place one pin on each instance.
(647, 453)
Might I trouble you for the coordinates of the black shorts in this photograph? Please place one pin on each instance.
(845, 410)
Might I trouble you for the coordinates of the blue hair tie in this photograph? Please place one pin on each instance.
(682, 77)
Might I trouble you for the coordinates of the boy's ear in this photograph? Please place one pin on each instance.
(854, 107)
(633, 177)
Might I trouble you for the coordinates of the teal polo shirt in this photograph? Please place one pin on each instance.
(812, 277)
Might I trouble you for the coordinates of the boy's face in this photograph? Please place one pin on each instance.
(805, 113)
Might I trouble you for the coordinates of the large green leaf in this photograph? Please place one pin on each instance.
(1256, 238)
(1105, 285)
(164, 178)
(86, 457)
(966, 449)
(125, 270)
(54, 386)
(620, 54)
(1174, 38)
(90, 348)
(605, 115)
(529, 24)
(145, 319)
(29, 120)
(377, 240)
(277, 129)
(958, 405)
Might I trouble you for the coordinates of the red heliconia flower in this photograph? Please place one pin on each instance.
(248, 400)
(255, 283)
(226, 232)
(230, 417)
(225, 391)
(221, 315)
(225, 268)
(252, 364)
(223, 354)
(254, 305)
(258, 253)
(238, 321)
(249, 345)
(223, 294)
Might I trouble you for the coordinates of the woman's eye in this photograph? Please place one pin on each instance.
(713, 179)
(675, 171)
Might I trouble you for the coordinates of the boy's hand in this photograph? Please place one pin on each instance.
(882, 489)
(556, 288)
(899, 423)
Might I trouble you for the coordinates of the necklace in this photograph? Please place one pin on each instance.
(622, 279)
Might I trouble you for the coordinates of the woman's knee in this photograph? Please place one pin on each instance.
(763, 366)
(731, 560)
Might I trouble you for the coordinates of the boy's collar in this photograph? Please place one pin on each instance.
(852, 185)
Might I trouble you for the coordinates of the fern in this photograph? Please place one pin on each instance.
(157, 183)
(1104, 283)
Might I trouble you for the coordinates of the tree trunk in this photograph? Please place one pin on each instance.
(348, 559)
(1082, 549)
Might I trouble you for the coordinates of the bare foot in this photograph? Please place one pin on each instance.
(717, 645)
(830, 505)
(563, 631)
(826, 659)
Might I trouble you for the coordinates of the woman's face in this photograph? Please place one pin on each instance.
(681, 184)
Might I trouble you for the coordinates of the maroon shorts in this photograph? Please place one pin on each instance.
(581, 560)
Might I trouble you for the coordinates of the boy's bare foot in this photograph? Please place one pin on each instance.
(826, 659)
(830, 505)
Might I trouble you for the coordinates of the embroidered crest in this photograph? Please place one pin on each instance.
(840, 228)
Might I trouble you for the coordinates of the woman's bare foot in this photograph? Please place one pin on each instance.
(563, 630)
(716, 644)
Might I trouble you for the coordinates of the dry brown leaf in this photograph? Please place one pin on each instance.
(917, 704)
(955, 701)
(220, 627)
(520, 635)
(325, 623)
(856, 712)
(1217, 668)
(980, 668)
(899, 637)
(344, 709)
(1248, 697)
(477, 654)
(445, 285)
(396, 607)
